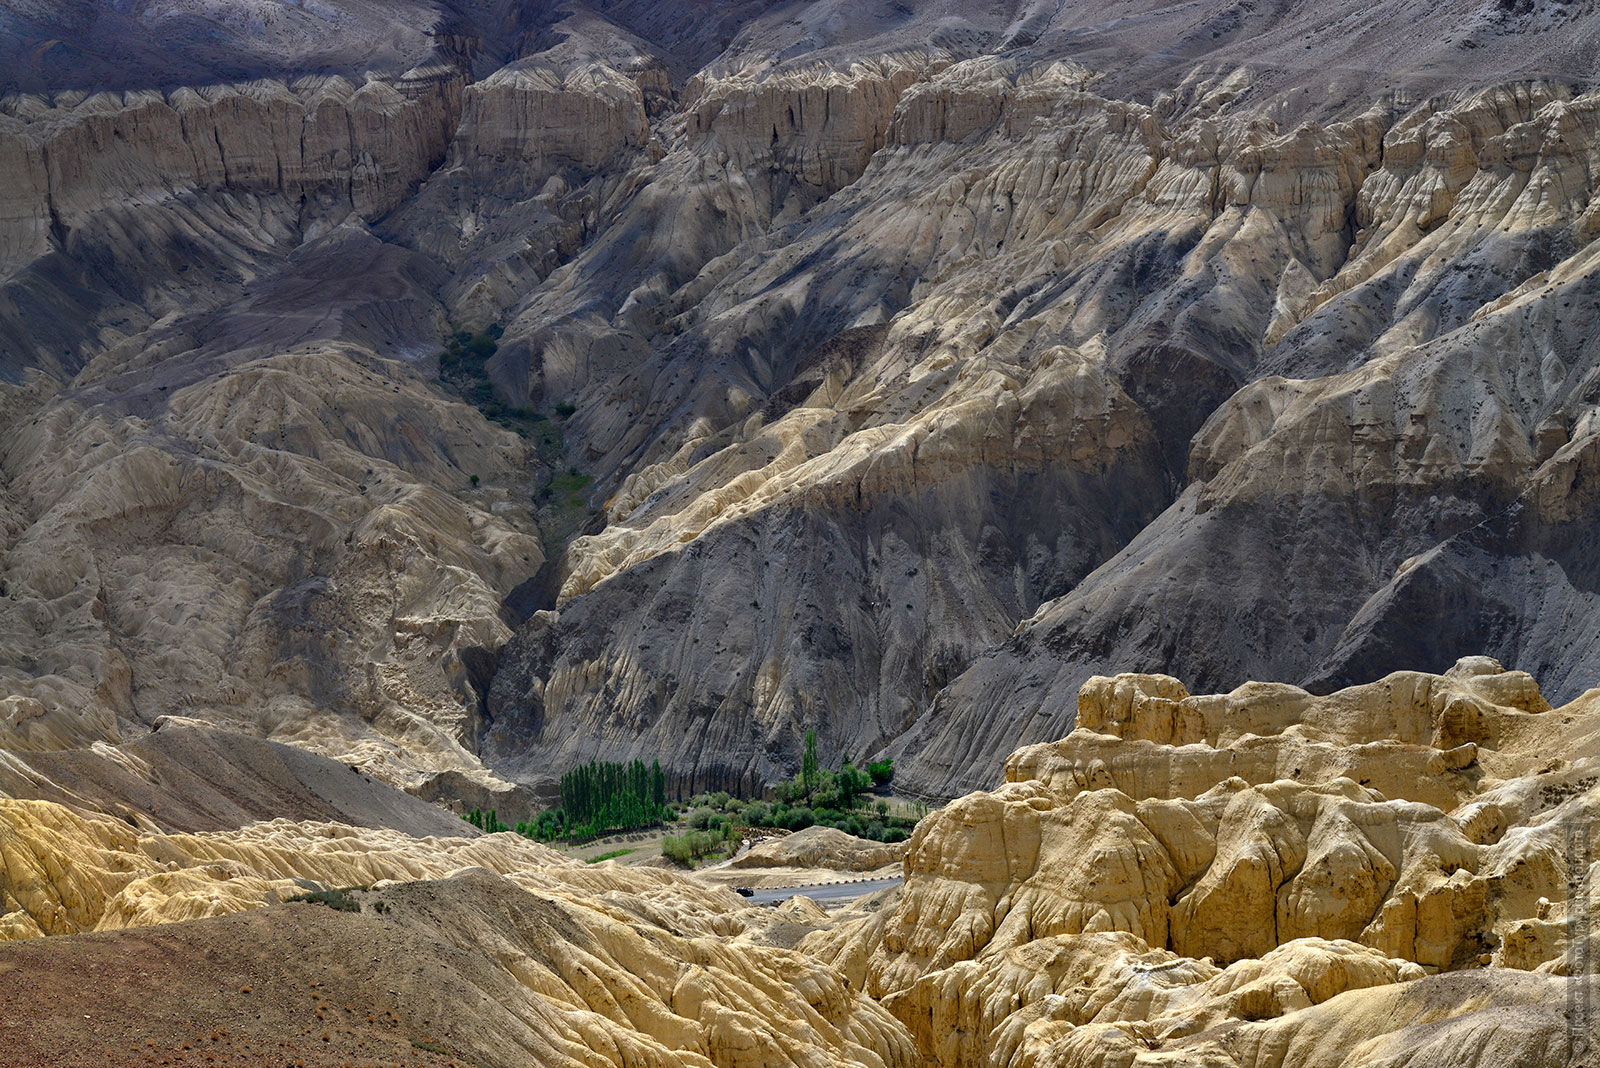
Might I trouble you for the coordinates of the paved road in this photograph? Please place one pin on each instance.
(825, 894)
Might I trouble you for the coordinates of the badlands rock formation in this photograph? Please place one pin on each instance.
(615, 968)
(928, 374)
(884, 369)
(222, 473)
(438, 944)
(1265, 878)
(822, 847)
(922, 385)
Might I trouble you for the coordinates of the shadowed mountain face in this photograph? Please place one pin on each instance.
(886, 369)
(140, 44)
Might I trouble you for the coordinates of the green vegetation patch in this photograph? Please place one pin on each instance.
(613, 855)
(597, 799)
(340, 899)
(563, 510)
(815, 797)
(691, 848)
(825, 797)
(464, 366)
(488, 822)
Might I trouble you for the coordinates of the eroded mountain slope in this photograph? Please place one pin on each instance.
(1025, 312)
(917, 364)
(222, 472)
(468, 969)
(270, 933)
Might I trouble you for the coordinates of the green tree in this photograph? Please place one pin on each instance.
(597, 797)
(808, 761)
(853, 782)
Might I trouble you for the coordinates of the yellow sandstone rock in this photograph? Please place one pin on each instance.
(1161, 872)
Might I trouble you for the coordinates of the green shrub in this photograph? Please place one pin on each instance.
(339, 899)
(853, 782)
(829, 796)
(547, 826)
(689, 848)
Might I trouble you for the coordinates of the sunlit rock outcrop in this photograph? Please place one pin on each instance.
(1179, 864)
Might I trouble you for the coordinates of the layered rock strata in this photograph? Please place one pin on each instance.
(586, 965)
(1308, 865)
(912, 366)
(1383, 875)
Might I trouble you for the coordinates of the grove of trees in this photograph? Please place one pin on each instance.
(598, 797)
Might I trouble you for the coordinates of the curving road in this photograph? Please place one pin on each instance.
(825, 894)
